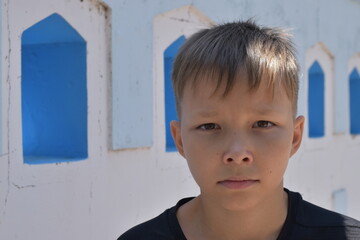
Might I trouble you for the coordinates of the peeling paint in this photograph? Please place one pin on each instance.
(99, 123)
(181, 19)
(21, 187)
(8, 81)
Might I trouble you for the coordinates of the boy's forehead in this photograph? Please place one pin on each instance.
(213, 89)
(217, 85)
(221, 87)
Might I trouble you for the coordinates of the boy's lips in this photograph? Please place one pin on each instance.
(238, 183)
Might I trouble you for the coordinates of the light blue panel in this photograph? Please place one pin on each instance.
(340, 201)
(132, 70)
(354, 92)
(53, 92)
(316, 101)
(170, 103)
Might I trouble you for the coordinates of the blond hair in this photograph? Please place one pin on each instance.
(227, 51)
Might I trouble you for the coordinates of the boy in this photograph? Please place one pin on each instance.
(236, 88)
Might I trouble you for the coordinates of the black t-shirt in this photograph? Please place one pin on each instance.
(304, 221)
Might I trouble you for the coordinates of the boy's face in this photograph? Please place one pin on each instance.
(237, 147)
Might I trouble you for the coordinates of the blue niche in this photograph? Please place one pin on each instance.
(54, 93)
(354, 85)
(170, 104)
(316, 101)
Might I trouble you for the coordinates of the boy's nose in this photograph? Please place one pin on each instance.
(238, 152)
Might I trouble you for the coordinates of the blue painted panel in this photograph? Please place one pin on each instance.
(340, 201)
(170, 103)
(316, 101)
(354, 84)
(54, 96)
(53, 29)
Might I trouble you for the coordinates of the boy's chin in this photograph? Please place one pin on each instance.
(235, 202)
(239, 204)
(252, 199)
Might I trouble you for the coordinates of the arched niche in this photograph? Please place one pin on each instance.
(53, 92)
(316, 101)
(170, 102)
(171, 29)
(319, 67)
(354, 94)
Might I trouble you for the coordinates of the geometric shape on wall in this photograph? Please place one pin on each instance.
(339, 198)
(316, 101)
(354, 94)
(170, 103)
(53, 92)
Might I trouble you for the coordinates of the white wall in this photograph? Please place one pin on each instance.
(38, 201)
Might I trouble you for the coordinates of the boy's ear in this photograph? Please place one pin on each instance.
(176, 134)
(298, 132)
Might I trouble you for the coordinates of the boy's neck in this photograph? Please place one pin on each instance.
(199, 219)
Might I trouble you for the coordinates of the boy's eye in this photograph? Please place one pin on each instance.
(263, 124)
(208, 126)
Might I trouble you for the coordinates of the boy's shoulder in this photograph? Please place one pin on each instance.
(163, 227)
(313, 222)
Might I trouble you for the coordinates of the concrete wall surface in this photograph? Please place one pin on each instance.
(129, 176)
